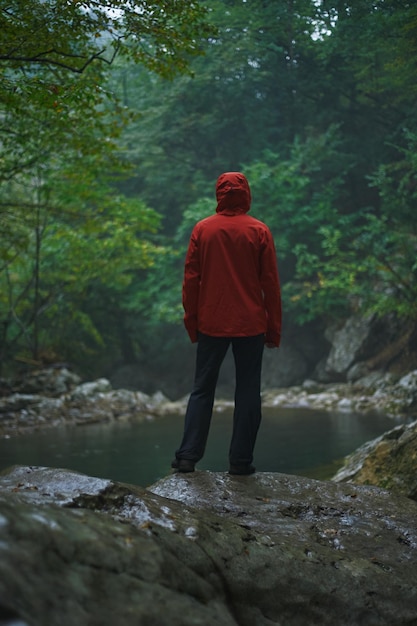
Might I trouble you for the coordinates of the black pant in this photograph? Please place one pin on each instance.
(247, 352)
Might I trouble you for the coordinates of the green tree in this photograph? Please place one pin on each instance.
(313, 98)
(249, 92)
(65, 226)
(72, 36)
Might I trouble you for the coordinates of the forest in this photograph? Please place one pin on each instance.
(116, 120)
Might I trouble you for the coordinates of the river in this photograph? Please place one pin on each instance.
(294, 441)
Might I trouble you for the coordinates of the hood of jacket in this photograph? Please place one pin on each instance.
(232, 194)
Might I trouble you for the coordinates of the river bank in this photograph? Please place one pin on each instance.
(57, 397)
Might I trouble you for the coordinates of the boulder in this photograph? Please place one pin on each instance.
(204, 548)
(364, 344)
(348, 345)
(300, 350)
(409, 384)
(284, 367)
(389, 461)
(83, 392)
(380, 392)
(48, 381)
(88, 403)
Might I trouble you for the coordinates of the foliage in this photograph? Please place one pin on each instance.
(238, 101)
(391, 237)
(298, 198)
(67, 229)
(73, 35)
(283, 94)
(314, 101)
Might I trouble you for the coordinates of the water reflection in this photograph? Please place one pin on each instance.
(310, 443)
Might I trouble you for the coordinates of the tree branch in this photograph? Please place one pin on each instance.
(42, 59)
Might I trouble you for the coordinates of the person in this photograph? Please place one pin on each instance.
(231, 295)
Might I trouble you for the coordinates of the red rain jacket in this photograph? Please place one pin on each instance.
(231, 284)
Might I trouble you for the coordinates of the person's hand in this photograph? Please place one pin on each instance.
(270, 345)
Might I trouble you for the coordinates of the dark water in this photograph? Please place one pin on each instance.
(294, 441)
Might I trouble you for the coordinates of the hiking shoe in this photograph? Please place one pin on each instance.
(242, 470)
(183, 465)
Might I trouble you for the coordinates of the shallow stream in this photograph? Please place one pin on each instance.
(294, 441)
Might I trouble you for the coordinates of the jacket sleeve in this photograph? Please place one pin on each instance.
(191, 288)
(271, 289)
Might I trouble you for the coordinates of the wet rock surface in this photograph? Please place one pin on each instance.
(206, 548)
(389, 461)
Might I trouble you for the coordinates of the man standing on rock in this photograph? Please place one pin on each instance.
(231, 295)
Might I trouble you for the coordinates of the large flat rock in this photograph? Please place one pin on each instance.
(205, 548)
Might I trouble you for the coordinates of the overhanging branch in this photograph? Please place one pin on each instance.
(44, 58)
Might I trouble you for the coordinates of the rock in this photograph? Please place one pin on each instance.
(84, 391)
(52, 381)
(158, 399)
(409, 384)
(96, 401)
(348, 345)
(367, 344)
(301, 348)
(357, 371)
(78, 551)
(373, 393)
(91, 402)
(389, 461)
(402, 396)
(284, 367)
(205, 548)
(375, 380)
